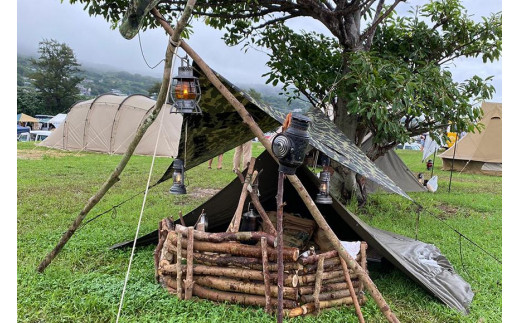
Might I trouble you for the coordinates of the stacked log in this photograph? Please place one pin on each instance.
(224, 269)
(219, 267)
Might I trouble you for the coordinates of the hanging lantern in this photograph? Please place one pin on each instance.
(185, 91)
(323, 196)
(289, 146)
(178, 178)
(429, 164)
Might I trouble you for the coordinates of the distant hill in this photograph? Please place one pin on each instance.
(100, 79)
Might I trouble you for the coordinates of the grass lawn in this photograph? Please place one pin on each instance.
(84, 282)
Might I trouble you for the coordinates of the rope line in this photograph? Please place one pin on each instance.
(127, 276)
(142, 54)
(461, 235)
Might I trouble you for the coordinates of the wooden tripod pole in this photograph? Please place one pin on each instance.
(279, 245)
(307, 199)
(114, 177)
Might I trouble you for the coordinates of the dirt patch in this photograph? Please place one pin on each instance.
(447, 211)
(39, 154)
(204, 192)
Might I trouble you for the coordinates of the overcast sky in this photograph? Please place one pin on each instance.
(94, 42)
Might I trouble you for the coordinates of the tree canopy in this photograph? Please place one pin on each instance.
(378, 72)
(56, 77)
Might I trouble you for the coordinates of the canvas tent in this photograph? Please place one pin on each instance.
(22, 117)
(422, 262)
(394, 167)
(479, 153)
(109, 122)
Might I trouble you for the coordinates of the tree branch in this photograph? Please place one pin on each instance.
(369, 33)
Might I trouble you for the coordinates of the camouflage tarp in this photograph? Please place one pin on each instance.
(220, 129)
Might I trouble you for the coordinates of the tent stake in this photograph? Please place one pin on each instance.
(114, 177)
(452, 160)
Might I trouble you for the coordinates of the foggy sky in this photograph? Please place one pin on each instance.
(93, 41)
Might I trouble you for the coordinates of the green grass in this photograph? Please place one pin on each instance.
(84, 282)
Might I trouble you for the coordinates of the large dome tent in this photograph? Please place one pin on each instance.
(109, 122)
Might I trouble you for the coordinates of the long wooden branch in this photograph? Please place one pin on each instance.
(114, 176)
(307, 199)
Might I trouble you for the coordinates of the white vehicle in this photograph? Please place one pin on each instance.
(34, 135)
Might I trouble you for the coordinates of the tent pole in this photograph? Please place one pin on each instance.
(279, 245)
(433, 165)
(452, 160)
(307, 199)
(114, 176)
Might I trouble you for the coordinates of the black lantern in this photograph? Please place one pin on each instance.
(178, 177)
(429, 164)
(289, 146)
(323, 196)
(185, 91)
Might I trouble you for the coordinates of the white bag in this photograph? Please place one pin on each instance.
(432, 184)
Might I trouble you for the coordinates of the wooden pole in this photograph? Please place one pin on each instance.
(307, 199)
(279, 246)
(189, 264)
(265, 270)
(114, 176)
(352, 292)
(267, 224)
(179, 266)
(237, 249)
(317, 285)
(227, 236)
(290, 280)
(234, 225)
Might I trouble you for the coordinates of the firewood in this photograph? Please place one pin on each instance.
(311, 278)
(246, 287)
(317, 286)
(226, 236)
(290, 280)
(306, 290)
(237, 249)
(222, 260)
(157, 254)
(329, 263)
(325, 296)
(189, 265)
(314, 259)
(237, 298)
(265, 271)
(310, 307)
(178, 266)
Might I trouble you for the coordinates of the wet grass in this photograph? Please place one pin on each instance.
(84, 282)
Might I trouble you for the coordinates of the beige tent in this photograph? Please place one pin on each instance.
(109, 122)
(479, 153)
